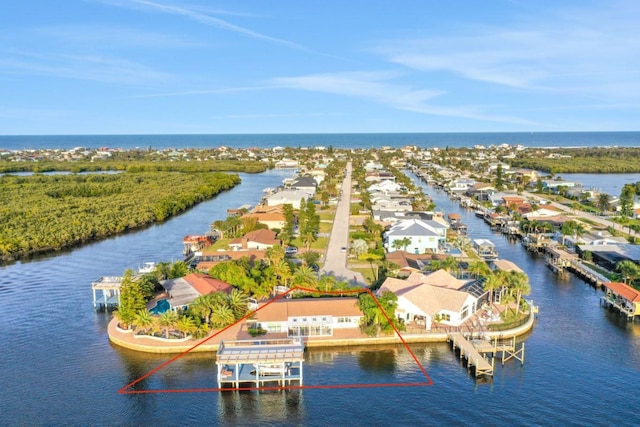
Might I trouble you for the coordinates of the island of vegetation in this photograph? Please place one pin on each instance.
(60, 203)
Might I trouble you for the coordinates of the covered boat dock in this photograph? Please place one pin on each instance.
(260, 362)
(106, 291)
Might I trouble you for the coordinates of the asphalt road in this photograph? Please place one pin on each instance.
(335, 262)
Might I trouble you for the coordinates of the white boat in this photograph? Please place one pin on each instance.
(147, 267)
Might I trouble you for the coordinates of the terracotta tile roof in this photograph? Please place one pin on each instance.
(284, 308)
(205, 285)
(624, 290)
(263, 235)
(266, 216)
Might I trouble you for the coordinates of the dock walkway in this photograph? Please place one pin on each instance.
(471, 354)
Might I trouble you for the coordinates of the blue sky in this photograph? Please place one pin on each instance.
(318, 66)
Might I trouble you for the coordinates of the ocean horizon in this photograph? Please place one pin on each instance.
(336, 140)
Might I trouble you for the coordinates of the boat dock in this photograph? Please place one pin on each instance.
(469, 352)
(106, 291)
(474, 352)
(260, 362)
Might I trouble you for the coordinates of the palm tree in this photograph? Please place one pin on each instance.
(494, 282)
(274, 255)
(237, 301)
(222, 316)
(327, 282)
(567, 229)
(305, 277)
(479, 268)
(518, 282)
(203, 307)
(450, 264)
(603, 202)
(167, 321)
(578, 231)
(629, 271)
(186, 325)
(163, 270)
(397, 244)
(143, 321)
(406, 241)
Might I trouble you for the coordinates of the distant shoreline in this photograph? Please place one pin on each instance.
(337, 140)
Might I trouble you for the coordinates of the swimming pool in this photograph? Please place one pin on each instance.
(160, 307)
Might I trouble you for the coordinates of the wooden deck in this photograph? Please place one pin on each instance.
(469, 352)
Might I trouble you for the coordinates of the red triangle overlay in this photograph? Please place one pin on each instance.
(428, 381)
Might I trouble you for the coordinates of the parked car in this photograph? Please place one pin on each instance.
(290, 250)
(343, 249)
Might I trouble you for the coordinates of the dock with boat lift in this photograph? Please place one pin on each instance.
(106, 291)
(475, 351)
(260, 362)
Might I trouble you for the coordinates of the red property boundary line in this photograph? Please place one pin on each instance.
(127, 388)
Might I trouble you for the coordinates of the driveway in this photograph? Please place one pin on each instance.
(335, 262)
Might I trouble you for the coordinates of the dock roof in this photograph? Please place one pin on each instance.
(260, 351)
(624, 290)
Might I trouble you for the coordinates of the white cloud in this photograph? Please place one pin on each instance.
(100, 68)
(197, 15)
(375, 86)
(584, 51)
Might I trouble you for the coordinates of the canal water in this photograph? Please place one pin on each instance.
(58, 368)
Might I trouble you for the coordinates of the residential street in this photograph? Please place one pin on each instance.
(335, 262)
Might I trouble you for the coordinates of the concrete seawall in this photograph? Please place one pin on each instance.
(126, 339)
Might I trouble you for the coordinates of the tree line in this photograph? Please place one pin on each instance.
(42, 213)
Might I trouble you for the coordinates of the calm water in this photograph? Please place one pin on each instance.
(352, 140)
(610, 183)
(58, 368)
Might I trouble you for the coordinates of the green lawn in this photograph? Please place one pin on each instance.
(327, 216)
(321, 243)
(325, 227)
(219, 244)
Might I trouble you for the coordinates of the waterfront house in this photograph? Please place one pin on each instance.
(182, 291)
(271, 216)
(291, 197)
(307, 317)
(305, 183)
(423, 235)
(460, 185)
(261, 239)
(438, 296)
(481, 191)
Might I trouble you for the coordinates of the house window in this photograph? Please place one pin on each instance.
(273, 327)
(465, 312)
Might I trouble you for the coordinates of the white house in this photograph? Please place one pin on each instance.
(384, 187)
(424, 299)
(461, 185)
(424, 235)
(291, 197)
(307, 317)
